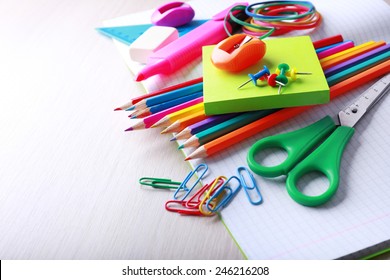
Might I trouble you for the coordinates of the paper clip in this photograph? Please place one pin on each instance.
(214, 187)
(180, 208)
(159, 183)
(252, 186)
(183, 185)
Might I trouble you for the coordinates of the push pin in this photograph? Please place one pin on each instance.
(281, 77)
(256, 76)
(293, 73)
(273, 82)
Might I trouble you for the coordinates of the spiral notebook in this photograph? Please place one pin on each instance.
(357, 220)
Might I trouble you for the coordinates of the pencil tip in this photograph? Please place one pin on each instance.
(118, 109)
(181, 147)
(130, 108)
(173, 139)
(187, 158)
(129, 129)
(139, 77)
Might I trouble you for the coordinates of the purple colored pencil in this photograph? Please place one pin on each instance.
(356, 60)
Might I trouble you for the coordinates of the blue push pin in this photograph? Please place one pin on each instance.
(255, 77)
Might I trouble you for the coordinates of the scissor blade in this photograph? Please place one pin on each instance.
(353, 113)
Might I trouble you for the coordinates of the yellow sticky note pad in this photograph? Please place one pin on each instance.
(221, 96)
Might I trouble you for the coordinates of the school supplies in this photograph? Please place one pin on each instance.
(159, 183)
(127, 34)
(154, 100)
(222, 128)
(338, 48)
(340, 57)
(276, 17)
(326, 157)
(170, 118)
(254, 77)
(220, 91)
(357, 68)
(355, 222)
(182, 123)
(185, 49)
(358, 59)
(137, 99)
(153, 39)
(166, 105)
(250, 186)
(222, 143)
(237, 52)
(210, 121)
(152, 119)
(173, 14)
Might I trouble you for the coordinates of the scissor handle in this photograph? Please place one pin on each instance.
(296, 143)
(325, 159)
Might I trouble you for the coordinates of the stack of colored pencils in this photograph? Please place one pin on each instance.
(179, 109)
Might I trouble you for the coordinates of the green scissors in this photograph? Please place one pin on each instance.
(303, 157)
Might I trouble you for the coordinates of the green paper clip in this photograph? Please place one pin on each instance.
(159, 183)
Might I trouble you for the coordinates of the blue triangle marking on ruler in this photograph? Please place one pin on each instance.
(129, 33)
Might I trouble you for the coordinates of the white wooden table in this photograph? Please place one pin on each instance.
(68, 172)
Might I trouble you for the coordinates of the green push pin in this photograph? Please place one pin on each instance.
(281, 77)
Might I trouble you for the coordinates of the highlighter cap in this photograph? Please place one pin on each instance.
(173, 14)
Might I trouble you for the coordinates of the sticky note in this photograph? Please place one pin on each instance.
(221, 95)
(152, 40)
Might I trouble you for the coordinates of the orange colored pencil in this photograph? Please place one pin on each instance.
(234, 137)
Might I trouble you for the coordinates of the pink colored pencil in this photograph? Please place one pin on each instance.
(336, 49)
(152, 119)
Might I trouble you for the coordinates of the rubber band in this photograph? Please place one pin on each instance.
(274, 18)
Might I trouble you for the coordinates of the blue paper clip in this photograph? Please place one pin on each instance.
(183, 185)
(227, 193)
(248, 188)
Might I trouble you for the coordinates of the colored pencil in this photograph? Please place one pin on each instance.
(170, 118)
(182, 123)
(353, 70)
(148, 102)
(234, 137)
(327, 47)
(225, 127)
(356, 60)
(328, 41)
(340, 57)
(339, 48)
(165, 105)
(202, 125)
(137, 99)
(150, 120)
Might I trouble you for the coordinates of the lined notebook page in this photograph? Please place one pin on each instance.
(358, 216)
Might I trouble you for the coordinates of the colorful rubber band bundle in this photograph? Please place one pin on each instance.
(275, 17)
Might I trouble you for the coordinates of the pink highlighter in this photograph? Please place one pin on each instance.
(187, 48)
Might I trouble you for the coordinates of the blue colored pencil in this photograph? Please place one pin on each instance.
(149, 102)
